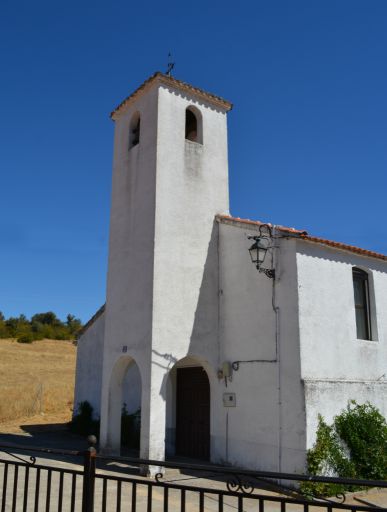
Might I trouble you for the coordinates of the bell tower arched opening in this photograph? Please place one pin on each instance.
(134, 130)
(193, 125)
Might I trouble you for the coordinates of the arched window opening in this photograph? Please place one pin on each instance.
(361, 290)
(191, 126)
(134, 132)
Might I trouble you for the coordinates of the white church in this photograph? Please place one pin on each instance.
(230, 335)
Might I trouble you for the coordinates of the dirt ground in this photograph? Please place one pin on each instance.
(36, 381)
(39, 421)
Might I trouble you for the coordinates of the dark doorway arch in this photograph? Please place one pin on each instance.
(192, 413)
(124, 396)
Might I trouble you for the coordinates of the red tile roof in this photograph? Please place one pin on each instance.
(345, 247)
(305, 236)
(169, 80)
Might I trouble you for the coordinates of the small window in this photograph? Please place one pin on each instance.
(193, 125)
(362, 304)
(134, 130)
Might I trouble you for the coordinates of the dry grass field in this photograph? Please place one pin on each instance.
(36, 380)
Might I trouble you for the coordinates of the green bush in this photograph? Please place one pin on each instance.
(364, 431)
(355, 446)
(25, 338)
(41, 325)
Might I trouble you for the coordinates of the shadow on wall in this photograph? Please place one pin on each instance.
(206, 322)
(203, 348)
(205, 331)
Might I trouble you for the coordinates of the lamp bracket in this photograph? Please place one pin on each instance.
(269, 272)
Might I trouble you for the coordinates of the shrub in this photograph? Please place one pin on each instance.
(25, 338)
(364, 431)
(355, 446)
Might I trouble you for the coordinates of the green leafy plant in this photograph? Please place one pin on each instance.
(354, 446)
(364, 431)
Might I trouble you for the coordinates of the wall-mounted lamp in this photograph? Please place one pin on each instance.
(258, 251)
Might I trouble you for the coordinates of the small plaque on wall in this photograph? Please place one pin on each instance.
(229, 400)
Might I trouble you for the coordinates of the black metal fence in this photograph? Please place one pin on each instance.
(84, 481)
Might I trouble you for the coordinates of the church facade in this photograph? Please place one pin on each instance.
(229, 335)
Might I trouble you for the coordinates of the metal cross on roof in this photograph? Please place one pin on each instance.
(171, 65)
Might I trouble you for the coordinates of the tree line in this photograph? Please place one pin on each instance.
(41, 325)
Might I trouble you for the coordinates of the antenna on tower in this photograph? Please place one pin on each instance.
(171, 65)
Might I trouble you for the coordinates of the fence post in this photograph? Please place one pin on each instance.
(89, 475)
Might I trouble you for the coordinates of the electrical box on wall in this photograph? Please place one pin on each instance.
(226, 369)
(229, 400)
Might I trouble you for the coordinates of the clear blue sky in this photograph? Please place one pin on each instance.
(307, 136)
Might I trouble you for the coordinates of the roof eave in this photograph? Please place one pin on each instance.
(90, 322)
(304, 236)
(343, 247)
(160, 78)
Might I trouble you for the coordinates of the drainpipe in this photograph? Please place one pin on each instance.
(276, 309)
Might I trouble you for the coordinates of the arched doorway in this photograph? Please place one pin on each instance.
(192, 413)
(131, 409)
(124, 420)
(188, 411)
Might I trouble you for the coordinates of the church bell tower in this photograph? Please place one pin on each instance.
(170, 179)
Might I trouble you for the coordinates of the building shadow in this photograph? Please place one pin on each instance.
(56, 437)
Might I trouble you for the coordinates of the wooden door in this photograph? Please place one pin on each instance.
(192, 413)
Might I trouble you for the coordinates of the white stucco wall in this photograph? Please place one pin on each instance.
(192, 187)
(337, 367)
(259, 328)
(330, 397)
(130, 267)
(89, 366)
(248, 433)
(88, 381)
